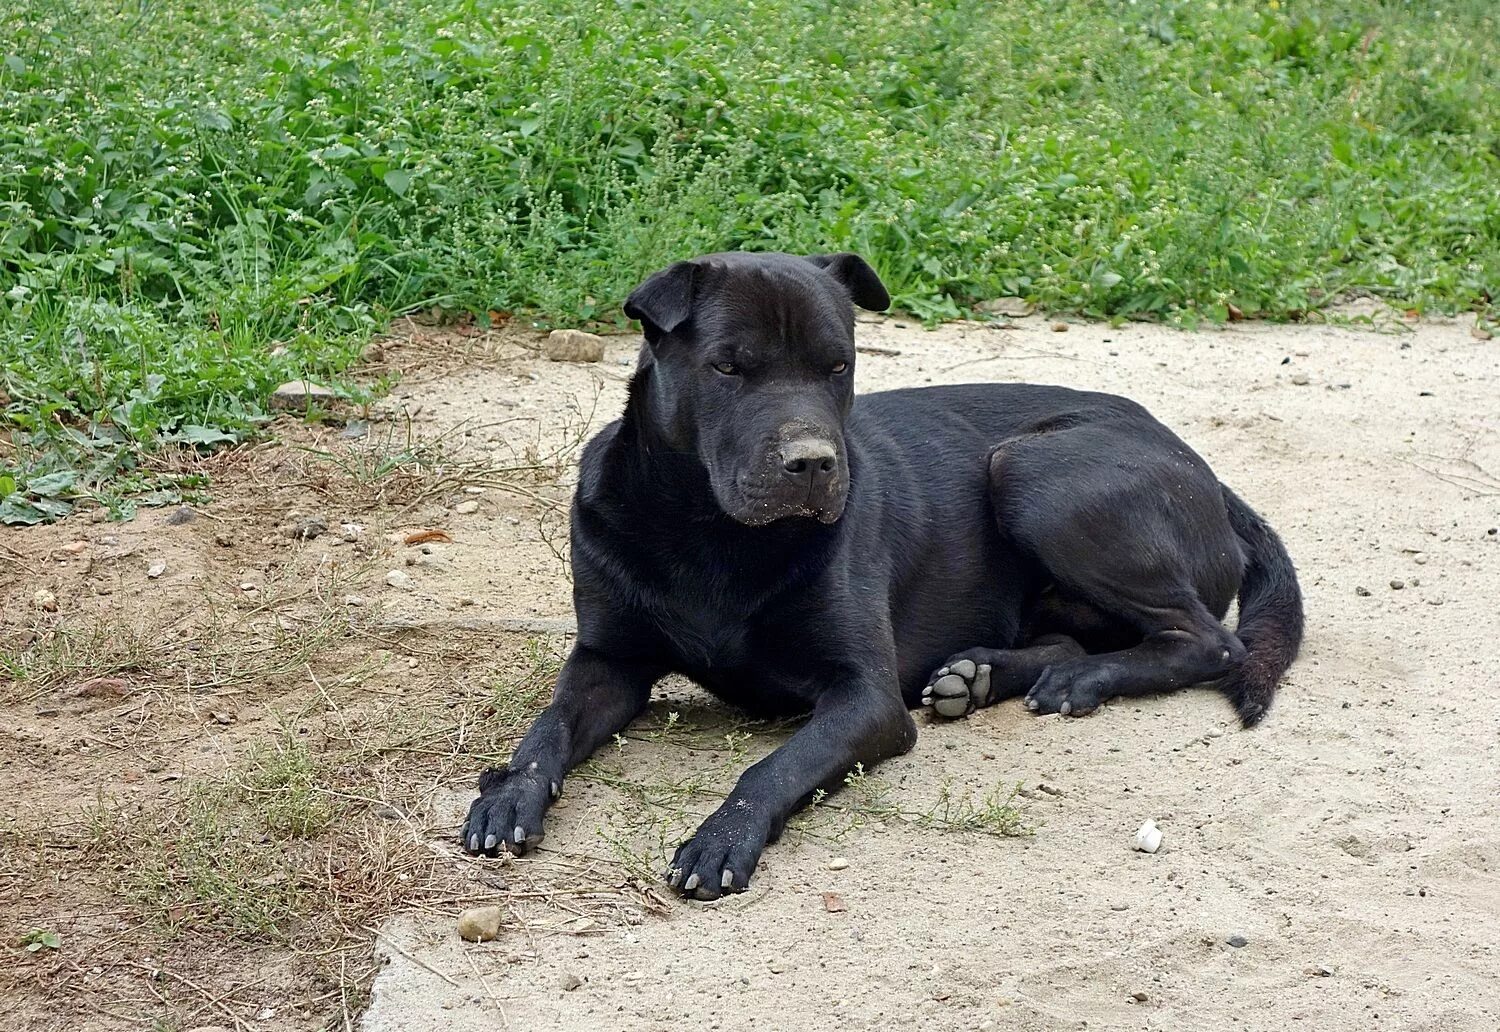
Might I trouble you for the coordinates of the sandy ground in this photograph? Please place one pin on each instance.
(1353, 840)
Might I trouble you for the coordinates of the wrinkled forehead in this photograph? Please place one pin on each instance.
(776, 307)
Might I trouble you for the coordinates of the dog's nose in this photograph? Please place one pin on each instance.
(811, 461)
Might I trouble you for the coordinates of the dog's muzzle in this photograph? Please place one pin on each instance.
(800, 478)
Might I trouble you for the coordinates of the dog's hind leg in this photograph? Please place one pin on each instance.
(1127, 521)
(982, 677)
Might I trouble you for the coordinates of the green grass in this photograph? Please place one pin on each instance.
(201, 198)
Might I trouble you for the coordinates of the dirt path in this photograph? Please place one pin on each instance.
(1353, 841)
(234, 747)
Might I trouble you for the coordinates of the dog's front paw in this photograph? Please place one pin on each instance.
(1074, 688)
(959, 687)
(508, 813)
(721, 855)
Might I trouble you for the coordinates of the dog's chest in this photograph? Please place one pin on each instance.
(703, 631)
(720, 640)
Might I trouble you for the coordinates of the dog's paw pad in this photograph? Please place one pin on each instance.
(958, 689)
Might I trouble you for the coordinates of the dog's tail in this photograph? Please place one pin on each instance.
(1270, 614)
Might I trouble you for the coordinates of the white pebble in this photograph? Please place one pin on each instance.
(1148, 838)
(465, 508)
(838, 863)
(399, 579)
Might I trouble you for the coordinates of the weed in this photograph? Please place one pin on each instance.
(199, 200)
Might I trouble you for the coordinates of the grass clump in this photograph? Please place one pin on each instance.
(198, 200)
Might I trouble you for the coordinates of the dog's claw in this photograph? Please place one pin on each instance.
(691, 883)
(489, 842)
(726, 880)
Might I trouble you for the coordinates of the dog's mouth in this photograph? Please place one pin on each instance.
(762, 508)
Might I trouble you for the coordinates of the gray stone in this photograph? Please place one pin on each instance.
(400, 580)
(573, 346)
(300, 395)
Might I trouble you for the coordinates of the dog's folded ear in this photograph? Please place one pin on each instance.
(864, 287)
(665, 300)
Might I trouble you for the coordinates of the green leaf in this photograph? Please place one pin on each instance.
(17, 509)
(1110, 279)
(399, 180)
(192, 433)
(53, 484)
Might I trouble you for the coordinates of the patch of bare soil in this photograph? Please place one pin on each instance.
(235, 782)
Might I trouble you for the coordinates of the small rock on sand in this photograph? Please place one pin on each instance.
(573, 346)
(313, 526)
(156, 569)
(1237, 941)
(1301, 379)
(466, 508)
(838, 863)
(480, 924)
(299, 395)
(45, 601)
(400, 580)
(1015, 307)
(570, 981)
(181, 515)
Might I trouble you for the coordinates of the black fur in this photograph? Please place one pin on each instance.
(747, 524)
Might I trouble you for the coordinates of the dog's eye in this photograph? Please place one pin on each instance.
(840, 368)
(727, 368)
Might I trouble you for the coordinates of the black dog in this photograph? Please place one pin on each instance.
(751, 525)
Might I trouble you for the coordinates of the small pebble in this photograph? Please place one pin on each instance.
(353, 600)
(480, 924)
(1059, 327)
(1148, 837)
(299, 395)
(45, 601)
(1397, 585)
(1237, 941)
(1139, 997)
(838, 863)
(573, 346)
(156, 569)
(1362, 591)
(465, 508)
(1300, 379)
(315, 526)
(400, 580)
(1318, 971)
(182, 515)
(570, 981)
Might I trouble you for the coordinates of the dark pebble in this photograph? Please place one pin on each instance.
(180, 516)
(1237, 941)
(1362, 591)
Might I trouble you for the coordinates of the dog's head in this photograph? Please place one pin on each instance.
(752, 368)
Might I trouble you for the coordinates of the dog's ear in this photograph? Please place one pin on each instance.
(665, 300)
(864, 287)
